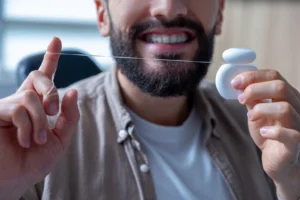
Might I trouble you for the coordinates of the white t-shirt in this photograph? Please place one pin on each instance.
(180, 165)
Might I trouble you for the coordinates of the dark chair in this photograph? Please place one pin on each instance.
(70, 68)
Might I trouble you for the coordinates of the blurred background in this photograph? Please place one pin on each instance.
(270, 27)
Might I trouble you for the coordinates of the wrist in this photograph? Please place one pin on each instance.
(11, 191)
(9, 194)
(289, 190)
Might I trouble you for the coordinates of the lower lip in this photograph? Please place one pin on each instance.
(167, 48)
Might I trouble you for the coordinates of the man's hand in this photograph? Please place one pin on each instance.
(274, 126)
(29, 149)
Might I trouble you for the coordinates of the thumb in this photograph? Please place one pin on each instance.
(67, 121)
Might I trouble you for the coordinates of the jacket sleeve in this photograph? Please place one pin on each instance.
(34, 193)
(241, 111)
(31, 194)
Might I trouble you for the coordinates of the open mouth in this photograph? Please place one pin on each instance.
(168, 37)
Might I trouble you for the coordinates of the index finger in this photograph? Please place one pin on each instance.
(48, 66)
(50, 61)
(243, 80)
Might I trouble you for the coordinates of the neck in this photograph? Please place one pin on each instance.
(170, 111)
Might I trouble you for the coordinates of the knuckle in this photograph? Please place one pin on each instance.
(19, 110)
(30, 95)
(257, 109)
(34, 74)
(251, 77)
(285, 109)
(273, 74)
(280, 87)
(250, 90)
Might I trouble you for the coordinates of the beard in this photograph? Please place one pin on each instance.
(175, 78)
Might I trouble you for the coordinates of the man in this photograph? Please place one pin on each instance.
(145, 130)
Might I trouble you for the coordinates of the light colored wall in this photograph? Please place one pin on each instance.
(270, 28)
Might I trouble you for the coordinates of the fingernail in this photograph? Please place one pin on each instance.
(53, 108)
(237, 82)
(264, 130)
(249, 114)
(43, 137)
(241, 98)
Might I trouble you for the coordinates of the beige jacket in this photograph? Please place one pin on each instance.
(104, 160)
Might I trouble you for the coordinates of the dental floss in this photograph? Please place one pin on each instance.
(236, 61)
(239, 62)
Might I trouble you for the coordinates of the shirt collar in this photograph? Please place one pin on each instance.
(123, 118)
(206, 112)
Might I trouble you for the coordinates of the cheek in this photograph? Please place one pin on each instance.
(205, 11)
(127, 13)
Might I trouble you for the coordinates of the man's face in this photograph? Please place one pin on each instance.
(163, 29)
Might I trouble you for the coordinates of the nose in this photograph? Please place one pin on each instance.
(168, 9)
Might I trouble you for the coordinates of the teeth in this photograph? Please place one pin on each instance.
(173, 39)
(167, 39)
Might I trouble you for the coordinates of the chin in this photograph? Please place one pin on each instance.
(168, 68)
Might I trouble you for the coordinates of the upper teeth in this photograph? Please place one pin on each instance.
(167, 39)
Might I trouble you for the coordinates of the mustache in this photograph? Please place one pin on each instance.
(179, 22)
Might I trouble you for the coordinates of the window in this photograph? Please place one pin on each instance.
(29, 26)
